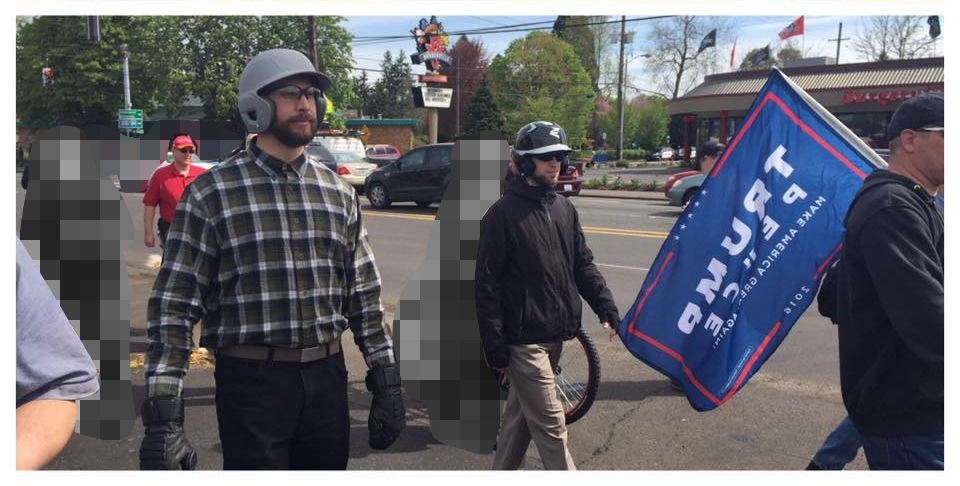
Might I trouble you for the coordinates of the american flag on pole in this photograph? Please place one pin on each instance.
(795, 28)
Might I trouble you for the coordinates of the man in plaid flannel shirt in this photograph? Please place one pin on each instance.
(269, 250)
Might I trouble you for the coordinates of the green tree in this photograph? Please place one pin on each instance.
(392, 97)
(171, 59)
(470, 61)
(652, 120)
(88, 76)
(483, 112)
(540, 77)
(748, 65)
(362, 93)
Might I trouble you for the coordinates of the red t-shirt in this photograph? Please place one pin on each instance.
(165, 188)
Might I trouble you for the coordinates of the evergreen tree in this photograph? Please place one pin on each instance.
(483, 113)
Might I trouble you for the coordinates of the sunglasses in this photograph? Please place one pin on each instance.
(558, 156)
(293, 93)
(187, 150)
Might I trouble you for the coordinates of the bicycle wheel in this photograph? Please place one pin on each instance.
(577, 376)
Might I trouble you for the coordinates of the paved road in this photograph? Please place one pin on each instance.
(638, 422)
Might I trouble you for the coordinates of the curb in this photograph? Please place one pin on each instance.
(610, 194)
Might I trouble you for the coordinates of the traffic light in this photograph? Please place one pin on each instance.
(46, 76)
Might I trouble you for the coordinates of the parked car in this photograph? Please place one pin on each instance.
(353, 169)
(569, 183)
(321, 153)
(665, 153)
(685, 189)
(674, 178)
(339, 144)
(420, 175)
(382, 154)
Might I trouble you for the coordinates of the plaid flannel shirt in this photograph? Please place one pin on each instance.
(266, 253)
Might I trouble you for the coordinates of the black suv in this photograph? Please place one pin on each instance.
(421, 175)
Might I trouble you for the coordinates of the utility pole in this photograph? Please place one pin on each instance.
(623, 35)
(312, 19)
(127, 104)
(838, 39)
(126, 78)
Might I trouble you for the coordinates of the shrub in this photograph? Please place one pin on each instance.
(617, 184)
(623, 163)
(634, 185)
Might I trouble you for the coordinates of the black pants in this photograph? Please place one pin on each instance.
(278, 415)
(162, 228)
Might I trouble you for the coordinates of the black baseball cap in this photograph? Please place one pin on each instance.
(922, 112)
(711, 147)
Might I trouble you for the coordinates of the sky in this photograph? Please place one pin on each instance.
(750, 32)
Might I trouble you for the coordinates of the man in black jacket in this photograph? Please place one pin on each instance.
(533, 264)
(890, 297)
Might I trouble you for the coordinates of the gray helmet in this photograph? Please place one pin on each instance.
(267, 68)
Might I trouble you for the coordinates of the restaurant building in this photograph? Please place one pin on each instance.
(861, 95)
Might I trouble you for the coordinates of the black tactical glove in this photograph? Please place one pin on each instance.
(387, 414)
(165, 446)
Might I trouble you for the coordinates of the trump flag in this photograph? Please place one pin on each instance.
(747, 254)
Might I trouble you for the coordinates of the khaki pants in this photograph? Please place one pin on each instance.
(533, 411)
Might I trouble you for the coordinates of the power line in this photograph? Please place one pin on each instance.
(523, 27)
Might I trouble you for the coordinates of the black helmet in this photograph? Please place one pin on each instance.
(540, 137)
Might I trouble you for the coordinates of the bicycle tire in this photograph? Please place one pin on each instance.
(578, 390)
(577, 397)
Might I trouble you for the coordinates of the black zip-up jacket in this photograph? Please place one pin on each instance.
(533, 265)
(890, 309)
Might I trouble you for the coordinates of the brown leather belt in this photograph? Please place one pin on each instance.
(270, 353)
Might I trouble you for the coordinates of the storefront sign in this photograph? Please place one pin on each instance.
(886, 96)
(431, 44)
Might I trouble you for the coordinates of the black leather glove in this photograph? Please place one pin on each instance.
(387, 413)
(164, 445)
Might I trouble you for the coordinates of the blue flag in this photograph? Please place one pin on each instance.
(746, 256)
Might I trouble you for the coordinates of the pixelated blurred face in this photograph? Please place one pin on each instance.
(295, 111)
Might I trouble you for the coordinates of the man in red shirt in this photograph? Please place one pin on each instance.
(166, 186)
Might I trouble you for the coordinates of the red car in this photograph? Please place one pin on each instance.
(382, 154)
(568, 184)
(674, 178)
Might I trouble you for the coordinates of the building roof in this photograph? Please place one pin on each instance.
(886, 74)
(838, 76)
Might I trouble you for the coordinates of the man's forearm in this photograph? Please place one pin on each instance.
(43, 429)
(148, 213)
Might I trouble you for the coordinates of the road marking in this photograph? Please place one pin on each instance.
(642, 269)
(625, 232)
(586, 229)
(418, 217)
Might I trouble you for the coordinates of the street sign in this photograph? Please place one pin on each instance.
(130, 120)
